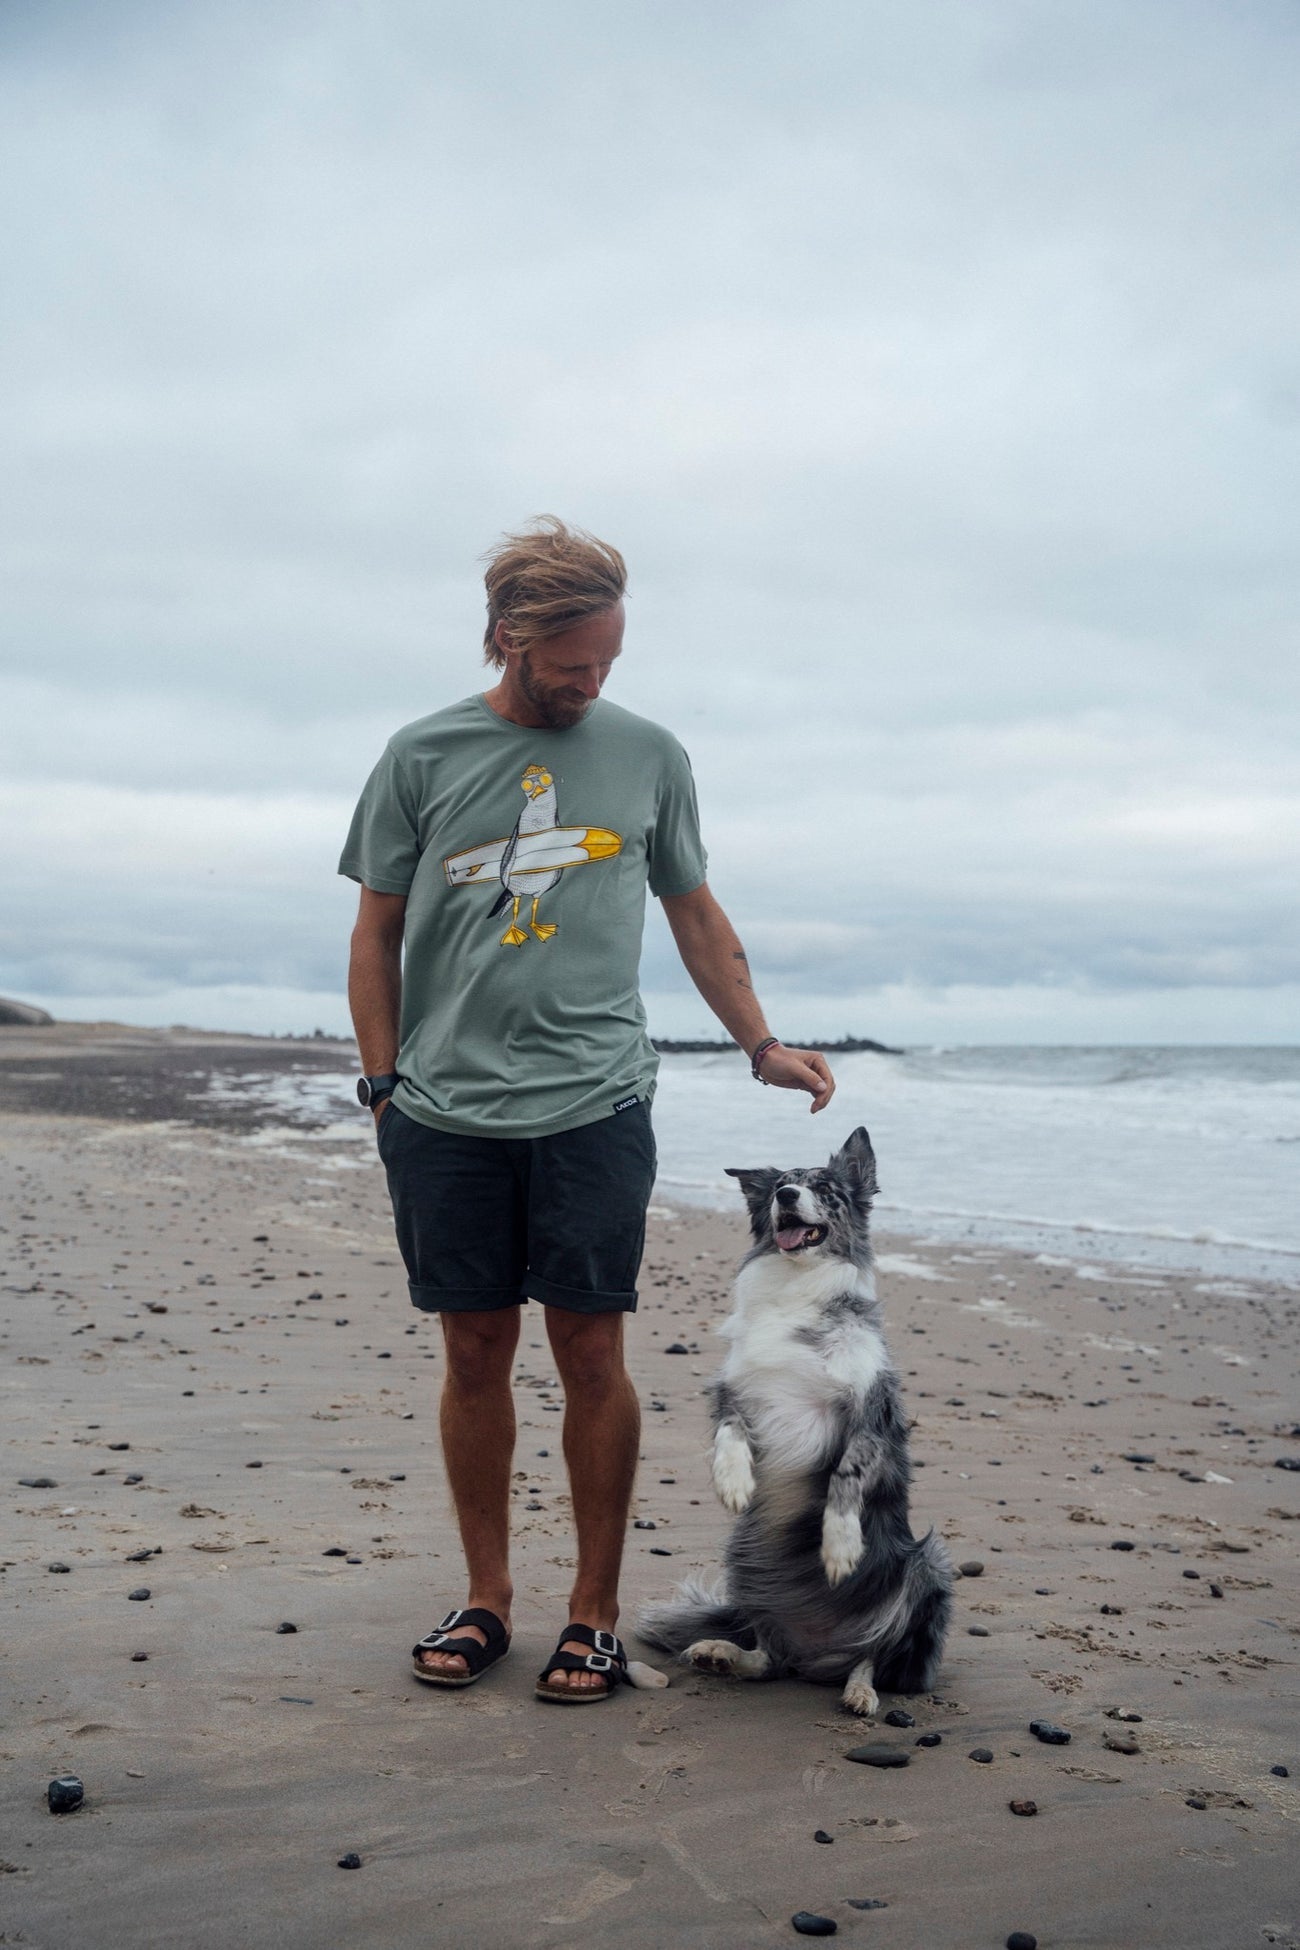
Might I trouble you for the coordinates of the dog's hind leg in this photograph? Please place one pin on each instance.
(860, 1695)
(726, 1660)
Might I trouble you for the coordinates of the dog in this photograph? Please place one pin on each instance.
(823, 1577)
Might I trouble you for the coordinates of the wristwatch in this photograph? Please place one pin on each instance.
(371, 1091)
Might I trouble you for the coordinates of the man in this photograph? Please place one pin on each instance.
(507, 843)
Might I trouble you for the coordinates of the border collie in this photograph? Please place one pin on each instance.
(823, 1576)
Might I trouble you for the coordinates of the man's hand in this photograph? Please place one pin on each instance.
(799, 1069)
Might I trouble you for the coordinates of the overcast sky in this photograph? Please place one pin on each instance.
(936, 367)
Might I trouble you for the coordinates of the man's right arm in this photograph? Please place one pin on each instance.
(375, 981)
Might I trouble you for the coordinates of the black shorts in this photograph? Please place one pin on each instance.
(490, 1222)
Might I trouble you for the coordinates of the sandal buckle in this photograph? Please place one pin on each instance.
(606, 1643)
(598, 1662)
(450, 1620)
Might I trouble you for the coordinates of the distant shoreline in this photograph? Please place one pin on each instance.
(722, 1046)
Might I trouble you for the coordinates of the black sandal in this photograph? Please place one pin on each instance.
(606, 1657)
(477, 1657)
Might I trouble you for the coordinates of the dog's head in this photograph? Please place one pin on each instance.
(822, 1211)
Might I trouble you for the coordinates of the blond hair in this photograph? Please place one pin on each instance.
(547, 580)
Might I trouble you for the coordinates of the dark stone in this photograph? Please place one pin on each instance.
(930, 1740)
(1023, 1807)
(645, 1523)
(982, 1754)
(1283, 1773)
(398, 1476)
(135, 1477)
(865, 1902)
(139, 1557)
(138, 1658)
(1124, 1713)
(875, 1754)
(1216, 1591)
(1191, 1574)
(350, 1861)
(657, 1550)
(1287, 1462)
(65, 1794)
(119, 1445)
(807, 1924)
(972, 1568)
(341, 1323)
(1134, 1456)
(295, 1699)
(252, 1465)
(820, 1835)
(1123, 1544)
(37, 1483)
(897, 1718)
(335, 1550)
(140, 1593)
(1050, 1735)
(1111, 1611)
(285, 1626)
(532, 1506)
(678, 1347)
(1197, 1801)
(1022, 1940)
(977, 1631)
(59, 1567)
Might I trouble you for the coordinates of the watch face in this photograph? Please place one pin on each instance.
(363, 1091)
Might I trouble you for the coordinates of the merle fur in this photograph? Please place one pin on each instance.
(774, 1595)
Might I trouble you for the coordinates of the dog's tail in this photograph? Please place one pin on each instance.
(695, 1611)
(911, 1663)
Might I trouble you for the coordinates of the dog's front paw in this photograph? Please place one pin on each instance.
(733, 1471)
(841, 1545)
(860, 1696)
(716, 1656)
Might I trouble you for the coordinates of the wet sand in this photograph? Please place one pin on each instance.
(228, 1302)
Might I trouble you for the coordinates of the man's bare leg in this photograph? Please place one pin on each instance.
(602, 1434)
(477, 1417)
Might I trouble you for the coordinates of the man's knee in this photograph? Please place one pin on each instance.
(588, 1348)
(480, 1346)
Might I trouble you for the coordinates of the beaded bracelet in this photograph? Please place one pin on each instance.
(757, 1058)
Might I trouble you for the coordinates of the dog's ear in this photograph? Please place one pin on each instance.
(857, 1159)
(757, 1183)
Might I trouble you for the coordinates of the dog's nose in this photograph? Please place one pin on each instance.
(787, 1194)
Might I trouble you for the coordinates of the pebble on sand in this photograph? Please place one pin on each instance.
(350, 1861)
(1023, 1807)
(37, 1483)
(138, 1658)
(820, 1835)
(1123, 1544)
(65, 1793)
(58, 1567)
(1050, 1735)
(972, 1568)
(809, 1925)
(335, 1550)
(140, 1593)
(1287, 1462)
(897, 1718)
(982, 1754)
(285, 1626)
(930, 1740)
(1283, 1773)
(1022, 1940)
(977, 1631)
(1124, 1713)
(865, 1902)
(874, 1754)
(1197, 1801)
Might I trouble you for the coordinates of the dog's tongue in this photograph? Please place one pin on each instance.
(790, 1237)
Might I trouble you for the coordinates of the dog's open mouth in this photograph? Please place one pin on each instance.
(797, 1239)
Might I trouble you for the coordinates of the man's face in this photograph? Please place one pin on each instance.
(561, 678)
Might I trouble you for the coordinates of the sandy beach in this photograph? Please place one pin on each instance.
(217, 1395)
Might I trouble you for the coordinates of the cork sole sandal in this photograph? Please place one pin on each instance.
(444, 1638)
(607, 1658)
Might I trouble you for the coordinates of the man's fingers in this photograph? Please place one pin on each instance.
(803, 1070)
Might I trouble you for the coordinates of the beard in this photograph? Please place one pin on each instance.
(558, 709)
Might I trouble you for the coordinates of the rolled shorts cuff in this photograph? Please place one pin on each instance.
(577, 1300)
(462, 1299)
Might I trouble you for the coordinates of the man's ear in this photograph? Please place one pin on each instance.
(757, 1182)
(856, 1158)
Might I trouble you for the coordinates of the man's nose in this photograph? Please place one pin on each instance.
(589, 682)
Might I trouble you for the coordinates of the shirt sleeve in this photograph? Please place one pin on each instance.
(678, 861)
(382, 849)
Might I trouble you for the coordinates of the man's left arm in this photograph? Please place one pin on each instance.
(716, 963)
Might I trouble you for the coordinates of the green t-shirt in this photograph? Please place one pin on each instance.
(524, 856)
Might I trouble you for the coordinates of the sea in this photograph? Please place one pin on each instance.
(1184, 1158)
